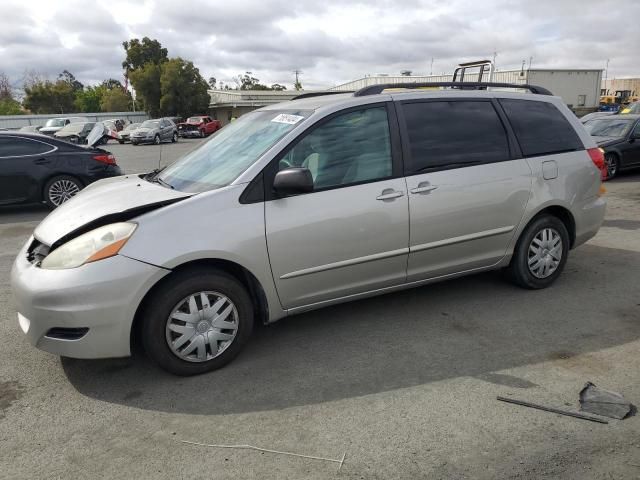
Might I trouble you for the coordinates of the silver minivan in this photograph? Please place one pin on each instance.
(300, 205)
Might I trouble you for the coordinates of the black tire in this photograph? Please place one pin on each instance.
(135, 144)
(48, 194)
(169, 294)
(121, 142)
(612, 164)
(518, 270)
(156, 140)
(174, 139)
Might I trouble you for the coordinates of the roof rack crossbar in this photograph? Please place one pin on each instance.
(320, 94)
(376, 89)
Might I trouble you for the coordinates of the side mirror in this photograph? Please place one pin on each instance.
(293, 180)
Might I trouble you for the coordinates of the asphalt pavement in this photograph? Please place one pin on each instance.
(404, 384)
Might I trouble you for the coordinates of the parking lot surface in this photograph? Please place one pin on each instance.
(405, 384)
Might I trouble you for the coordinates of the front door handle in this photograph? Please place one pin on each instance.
(389, 194)
(424, 187)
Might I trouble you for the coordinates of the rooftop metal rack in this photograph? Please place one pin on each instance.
(376, 89)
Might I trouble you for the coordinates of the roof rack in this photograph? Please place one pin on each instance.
(481, 64)
(320, 94)
(376, 89)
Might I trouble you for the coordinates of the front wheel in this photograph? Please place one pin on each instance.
(174, 139)
(612, 165)
(61, 189)
(197, 321)
(540, 254)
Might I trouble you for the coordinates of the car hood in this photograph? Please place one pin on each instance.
(50, 129)
(605, 141)
(106, 201)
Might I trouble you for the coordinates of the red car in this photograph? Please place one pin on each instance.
(198, 126)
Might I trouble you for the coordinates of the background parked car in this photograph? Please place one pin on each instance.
(55, 124)
(155, 131)
(125, 134)
(75, 132)
(198, 126)
(38, 169)
(118, 122)
(30, 128)
(619, 138)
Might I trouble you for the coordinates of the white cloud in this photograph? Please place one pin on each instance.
(331, 41)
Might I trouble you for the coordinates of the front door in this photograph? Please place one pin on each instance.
(350, 235)
(22, 162)
(467, 192)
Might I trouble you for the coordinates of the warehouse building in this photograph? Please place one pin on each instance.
(228, 104)
(612, 85)
(580, 89)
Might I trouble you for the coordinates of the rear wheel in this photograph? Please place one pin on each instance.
(612, 165)
(540, 254)
(61, 189)
(197, 321)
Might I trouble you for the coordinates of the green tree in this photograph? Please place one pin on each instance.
(68, 77)
(142, 67)
(142, 52)
(9, 106)
(49, 97)
(183, 90)
(89, 99)
(277, 87)
(146, 82)
(115, 100)
(112, 83)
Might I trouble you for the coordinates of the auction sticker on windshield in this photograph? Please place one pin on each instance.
(287, 118)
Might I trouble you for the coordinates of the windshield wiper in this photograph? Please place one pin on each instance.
(154, 173)
(163, 183)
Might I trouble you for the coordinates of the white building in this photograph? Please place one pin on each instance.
(580, 89)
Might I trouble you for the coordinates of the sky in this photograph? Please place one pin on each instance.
(330, 41)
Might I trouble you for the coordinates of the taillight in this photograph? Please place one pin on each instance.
(597, 156)
(105, 158)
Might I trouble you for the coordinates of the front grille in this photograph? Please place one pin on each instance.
(37, 252)
(67, 333)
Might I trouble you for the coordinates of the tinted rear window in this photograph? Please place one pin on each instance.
(540, 127)
(16, 146)
(451, 134)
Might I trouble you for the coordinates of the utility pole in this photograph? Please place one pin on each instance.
(495, 54)
(606, 73)
(530, 61)
(431, 71)
(297, 85)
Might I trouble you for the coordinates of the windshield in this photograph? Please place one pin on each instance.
(54, 122)
(73, 128)
(609, 127)
(194, 120)
(131, 126)
(631, 108)
(150, 124)
(232, 150)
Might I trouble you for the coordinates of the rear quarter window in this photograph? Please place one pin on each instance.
(18, 146)
(540, 128)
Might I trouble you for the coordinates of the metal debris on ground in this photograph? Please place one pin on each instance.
(552, 410)
(251, 447)
(604, 402)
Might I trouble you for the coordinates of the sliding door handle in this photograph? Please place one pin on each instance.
(389, 194)
(424, 187)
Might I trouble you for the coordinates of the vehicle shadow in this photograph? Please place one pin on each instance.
(467, 327)
(33, 212)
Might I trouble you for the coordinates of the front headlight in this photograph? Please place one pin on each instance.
(103, 242)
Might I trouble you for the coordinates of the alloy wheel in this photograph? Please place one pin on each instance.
(62, 190)
(545, 253)
(202, 326)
